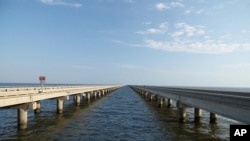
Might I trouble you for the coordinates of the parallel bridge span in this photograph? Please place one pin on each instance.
(24, 98)
(231, 104)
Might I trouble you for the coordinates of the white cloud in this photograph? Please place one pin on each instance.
(125, 43)
(188, 30)
(162, 27)
(199, 11)
(161, 6)
(147, 23)
(246, 47)
(187, 11)
(245, 31)
(151, 31)
(60, 2)
(178, 33)
(207, 47)
(177, 4)
(192, 10)
(154, 44)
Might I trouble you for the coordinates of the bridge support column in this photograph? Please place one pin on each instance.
(169, 104)
(213, 118)
(88, 96)
(155, 97)
(160, 102)
(98, 93)
(151, 97)
(38, 107)
(60, 104)
(103, 93)
(22, 116)
(77, 100)
(197, 114)
(146, 94)
(181, 112)
(94, 94)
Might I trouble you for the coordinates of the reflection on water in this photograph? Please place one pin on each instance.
(122, 115)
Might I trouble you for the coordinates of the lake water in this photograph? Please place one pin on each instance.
(121, 115)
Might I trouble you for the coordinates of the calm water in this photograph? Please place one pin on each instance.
(121, 115)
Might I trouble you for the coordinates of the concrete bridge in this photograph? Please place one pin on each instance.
(231, 104)
(228, 103)
(26, 98)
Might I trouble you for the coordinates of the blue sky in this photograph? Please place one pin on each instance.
(163, 42)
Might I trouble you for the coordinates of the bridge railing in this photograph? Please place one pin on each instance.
(6, 92)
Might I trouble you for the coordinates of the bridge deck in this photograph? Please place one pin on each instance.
(231, 104)
(14, 96)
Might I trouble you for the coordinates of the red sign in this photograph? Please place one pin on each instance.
(42, 78)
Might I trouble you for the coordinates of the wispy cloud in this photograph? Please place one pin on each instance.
(188, 11)
(207, 47)
(165, 6)
(117, 41)
(176, 4)
(190, 46)
(60, 2)
(125, 43)
(188, 30)
(161, 6)
(146, 23)
(245, 31)
(196, 11)
(199, 11)
(184, 37)
(162, 27)
(151, 31)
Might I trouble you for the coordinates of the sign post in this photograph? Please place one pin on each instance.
(42, 81)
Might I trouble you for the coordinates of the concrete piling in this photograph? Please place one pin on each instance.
(151, 97)
(59, 106)
(38, 108)
(77, 100)
(160, 102)
(169, 103)
(213, 118)
(22, 118)
(88, 96)
(182, 114)
(197, 114)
